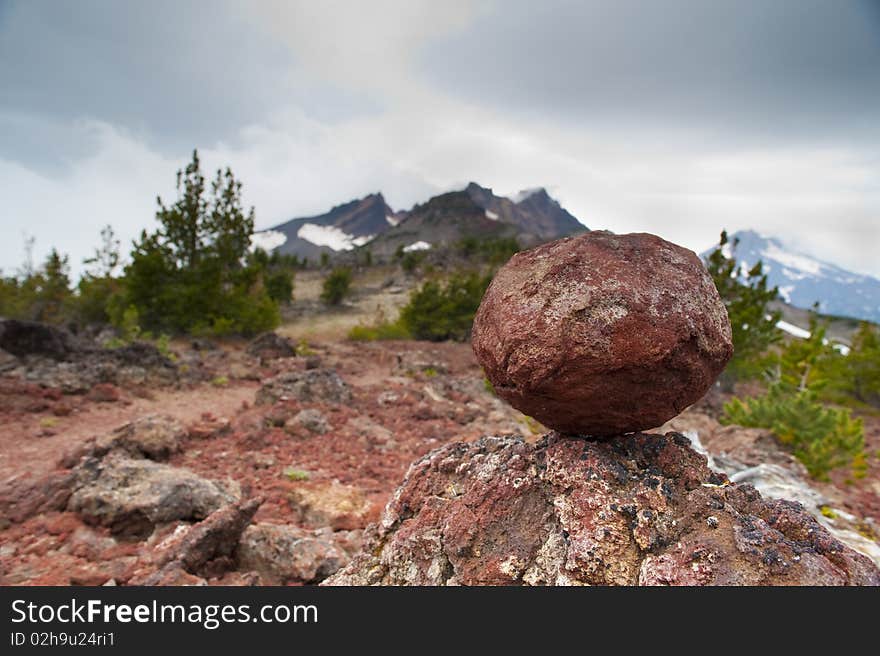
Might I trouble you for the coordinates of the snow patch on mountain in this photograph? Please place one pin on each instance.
(417, 246)
(267, 240)
(796, 261)
(331, 237)
(491, 215)
(392, 221)
(803, 279)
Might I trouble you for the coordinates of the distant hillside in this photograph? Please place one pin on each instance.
(343, 228)
(531, 217)
(804, 280)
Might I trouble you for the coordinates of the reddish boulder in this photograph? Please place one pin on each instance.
(637, 510)
(602, 334)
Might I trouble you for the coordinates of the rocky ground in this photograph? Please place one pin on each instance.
(263, 463)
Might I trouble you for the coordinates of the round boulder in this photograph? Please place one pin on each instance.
(602, 334)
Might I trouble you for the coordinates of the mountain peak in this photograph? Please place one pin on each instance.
(525, 194)
(803, 279)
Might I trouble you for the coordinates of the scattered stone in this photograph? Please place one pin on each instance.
(243, 371)
(634, 510)
(262, 460)
(284, 554)
(104, 393)
(140, 354)
(373, 433)
(131, 496)
(200, 344)
(154, 436)
(313, 362)
(388, 398)
(602, 334)
(411, 362)
(312, 420)
(209, 427)
(7, 361)
(341, 507)
(215, 538)
(307, 386)
(269, 346)
(22, 498)
(171, 574)
(21, 338)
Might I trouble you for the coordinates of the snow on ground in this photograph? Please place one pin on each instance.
(791, 329)
(267, 240)
(796, 331)
(491, 215)
(331, 237)
(417, 246)
(392, 221)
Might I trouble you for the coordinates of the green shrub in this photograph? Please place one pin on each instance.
(438, 312)
(856, 376)
(379, 331)
(295, 475)
(94, 297)
(821, 437)
(336, 286)
(409, 262)
(279, 285)
(495, 251)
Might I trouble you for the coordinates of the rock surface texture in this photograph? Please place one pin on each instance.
(640, 509)
(602, 334)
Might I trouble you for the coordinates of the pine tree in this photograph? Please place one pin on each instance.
(53, 292)
(194, 273)
(746, 296)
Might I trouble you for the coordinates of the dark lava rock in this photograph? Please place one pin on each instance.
(310, 385)
(131, 496)
(32, 338)
(602, 334)
(271, 345)
(639, 510)
(214, 538)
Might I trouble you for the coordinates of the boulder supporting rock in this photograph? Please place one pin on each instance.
(639, 509)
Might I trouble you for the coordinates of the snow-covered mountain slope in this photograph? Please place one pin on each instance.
(803, 280)
(343, 228)
(532, 216)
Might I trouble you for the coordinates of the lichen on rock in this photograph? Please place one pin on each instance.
(637, 510)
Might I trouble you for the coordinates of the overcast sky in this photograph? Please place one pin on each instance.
(678, 117)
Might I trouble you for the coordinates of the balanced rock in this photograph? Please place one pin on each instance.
(602, 334)
(639, 510)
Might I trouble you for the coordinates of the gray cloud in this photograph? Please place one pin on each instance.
(750, 67)
(679, 118)
(179, 74)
